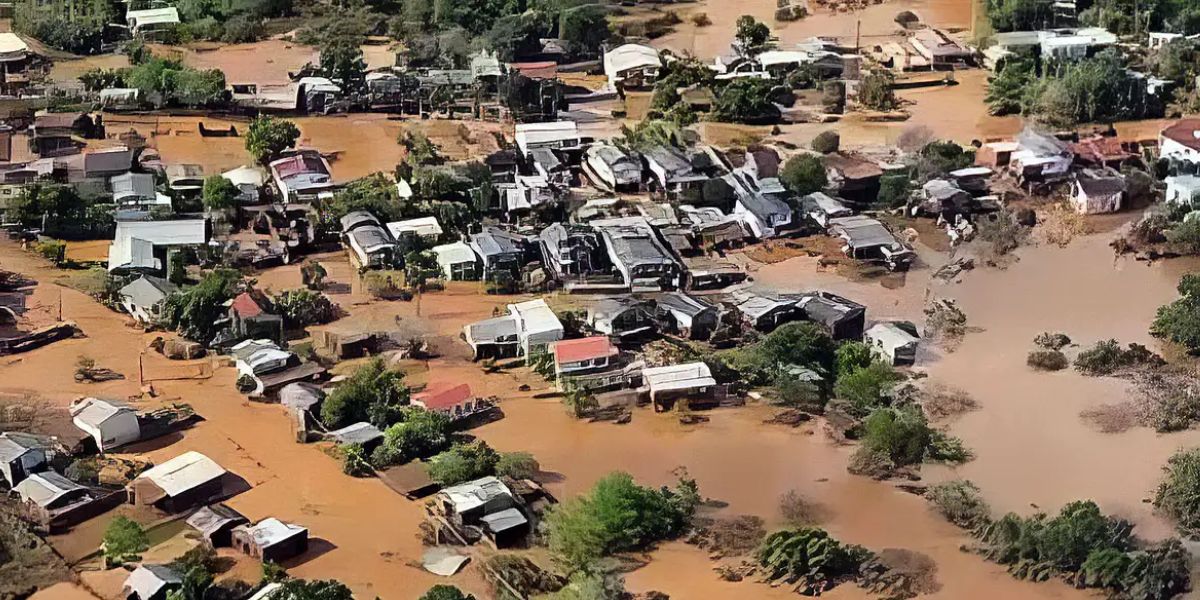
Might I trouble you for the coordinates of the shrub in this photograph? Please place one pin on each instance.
(53, 251)
(418, 434)
(242, 29)
(517, 465)
(442, 591)
(1178, 496)
(852, 356)
(354, 461)
(701, 19)
(124, 540)
(803, 174)
(960, 502)
(1179, 321)
(1052, 341)
(371, 393)
(865, 389)
(463, 462)
(302, 307)
(875, 91)
(808, 559)
(797, 510)
(827, 142)
(1047, 360)
(1107, 357)
(267, 137)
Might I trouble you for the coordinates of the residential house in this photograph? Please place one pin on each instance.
(457, 261)
(111, 424)
(570, 251)
(370, 244)
(505, 528)
(636, 252)
(622, 316)
(20, 456)
(1097, 191)
(539, 326)
(939, 50)
(687, 316)
(972, 179)
(712, 229)
(188, 480)
(1104, 151)
(1182, 189)
(554, 135)
(252, 315)
(611, 169)
(135, 190)
(215, 523)
(498, 337)
(671, 170)
(528, 326)
(107, 162)
(765, 313)
(301, 176)
(268, 368)
(852, 178)
(151, 582)
(839, 317)
(271, 540)
(1040, 157)
(821, 208)
(893, 343)
(944, 198)
(499, 250)
(185, 178)
(425, 228)
(454, 400)
(632, 66)
(584, 355)
(869, 240)
(550, 167)
(691, 381)
(1075, 44)
(467, 503)
(143, 298)
(152, 23)
(143, 246)
(704, 273)
(1180, 141)
(56, 134)
(760, 208)
(249, 181)
(528, 192)
(55, 502)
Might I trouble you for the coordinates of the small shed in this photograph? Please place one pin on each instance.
(895, 343)
(1098, 191)
(765, 313)
(143, 297)
(457, 261)
(505, 528)
(690, 380)
(151, 582)
(363, 434)
(271, 540)
(469, 502)
(111, 424)
(187, 480)
(19, 456)
(216, 523)
(687, 316)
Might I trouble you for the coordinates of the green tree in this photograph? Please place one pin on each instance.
(420, 267)
(1179, 321)
(585, 27)
(418, 434)
(342, 61)
(752, 37)
(517, 465)
(196, 311)
(803, 174)
(268, 137)
(1178, 496)
(442, 591)
(808, 559)
(300, 589)
(219, 193)
(865, 388)
(1008, 91)
(875, 91)
(901, 434)
(746, 100)
(961, 502)
(124, 540)
(463, 462)
(176, 269)
(894, 189)
(852, 356)
(372, 393)
(301, 308)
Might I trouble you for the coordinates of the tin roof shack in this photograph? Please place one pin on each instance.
(1040, 158)
(671, 170)
(894, 343)
(941, 197)
(426, 228)
(1182, 190)
(143, 297)
(55, 503)
(271, 540)
(1180, 141)
(636, 252)
(457, 261)
(760, 205)
(151, 582)
(55, 134)
(1104, 151)
(852, 178)
(561, 135)
(498, 337)
(20, 456)
(939, 50)
(301, 176)
(622, 317)
(361, 434)
(632, 66)
(687, 316)
(410, 480)
(143, 246)
(110, 424)
(252, 315)
(500, 251)
(369, 243)
(215, 523)
(765, 313)
(572, 251)
(868, 240)
(134, 190)
(974, 180)
(454, 400)
(703, 273)
(506, 528)
(711, 228)
(1097, 191)
(538, 325)
(467, 503)
(820, 208)
(841, 318)
(692, 382)
(611, 169)
(188, 480)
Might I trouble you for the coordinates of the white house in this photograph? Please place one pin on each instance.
(557, 134)
(1180, 141)
(457, 261)
(426, 228)
(177, 484)
(143, 244)
(632, 65)
(892, 343)
(1182, 189)
(539, 326)
(678, 380)
(1097, 191)
(143, 297)
(150, 20)
(151, 582)
(111, 424)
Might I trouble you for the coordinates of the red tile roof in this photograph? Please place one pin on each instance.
(1184, 131)
(443, 395)
(569, 351)
(246, 306)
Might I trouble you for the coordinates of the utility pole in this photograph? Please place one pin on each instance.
(857, 35)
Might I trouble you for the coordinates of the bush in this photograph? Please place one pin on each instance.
(852, 356)
(1038, 546)
(124, 540)
(901, 434)
(803, 174)
(1179, 321)
(875, 91)
(1052, 341)
(894, 189)
(827, 142)
(960, 502)
(517, 465)
(301, 308)
(1107, 357)
(1178, 496)
(419, 434)
(242, 29)
(372, 393)
(267, 137)
(354, 461)
(463, 462)
(442, 591)
(865, 389)
(808, 559)
(53, 251)
(701, 19)
(1047, 360)
(617, 515)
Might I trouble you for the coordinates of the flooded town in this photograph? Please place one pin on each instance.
(599, 299)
